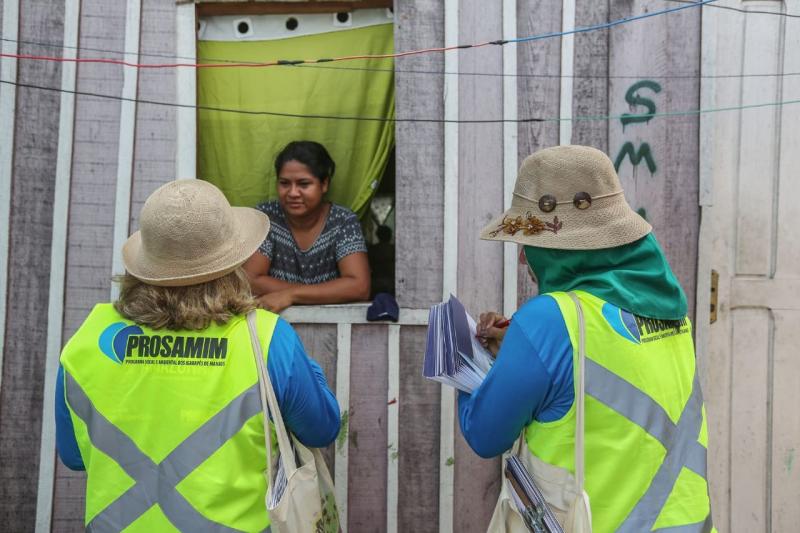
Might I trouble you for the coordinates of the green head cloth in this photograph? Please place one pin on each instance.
(635, 277)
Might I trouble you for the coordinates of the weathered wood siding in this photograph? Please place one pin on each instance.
(654, 49)
(480, 198)
(35, 142)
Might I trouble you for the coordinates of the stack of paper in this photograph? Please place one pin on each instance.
(277, 487)
(453, 355)
(529, 500)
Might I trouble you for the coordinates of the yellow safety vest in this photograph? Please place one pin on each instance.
(169, 424)
(645, 428)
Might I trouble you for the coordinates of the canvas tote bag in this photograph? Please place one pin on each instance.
(562, 491)
(308, 503)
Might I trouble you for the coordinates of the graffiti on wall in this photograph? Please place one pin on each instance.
(634, 99)
(629, 151)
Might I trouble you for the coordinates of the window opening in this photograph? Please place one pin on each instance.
(236, 151)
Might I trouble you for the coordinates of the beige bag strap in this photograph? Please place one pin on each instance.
(270, 403)
(579, 396)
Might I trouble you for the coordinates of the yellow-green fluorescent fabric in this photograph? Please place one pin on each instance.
(645, 428)
(236, 151)
(169, 424)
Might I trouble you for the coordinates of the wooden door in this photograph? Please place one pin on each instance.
(750, 160)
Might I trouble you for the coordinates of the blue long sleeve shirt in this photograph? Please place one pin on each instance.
(308, 406)
(532, 379)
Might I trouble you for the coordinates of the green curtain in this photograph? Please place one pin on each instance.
(236, 151)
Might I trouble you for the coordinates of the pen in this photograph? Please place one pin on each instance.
(502, 324)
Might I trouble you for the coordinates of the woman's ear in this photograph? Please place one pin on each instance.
(325, 184)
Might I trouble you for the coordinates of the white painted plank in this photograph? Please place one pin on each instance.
(343, 339)
(510, 150)
(58, 259)
(759, 145)
(127, 129)
(8, 103)
(785, 450)
(186, 81)
(393, 429)
(450, 259)
(751, 344)
(567, 70)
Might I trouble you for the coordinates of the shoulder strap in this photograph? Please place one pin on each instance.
(270, 405)
(579, 396)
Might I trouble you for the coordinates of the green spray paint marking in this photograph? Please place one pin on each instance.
(790, 460)
(343, 427)
(633, 98)
(450, 461)
(636, 156)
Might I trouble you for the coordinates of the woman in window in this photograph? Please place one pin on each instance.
(315, 253)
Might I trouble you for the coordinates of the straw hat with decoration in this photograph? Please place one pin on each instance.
(570, 198)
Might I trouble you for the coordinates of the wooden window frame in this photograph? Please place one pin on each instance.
(209, 9)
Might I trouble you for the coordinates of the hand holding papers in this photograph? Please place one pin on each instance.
(453, 355)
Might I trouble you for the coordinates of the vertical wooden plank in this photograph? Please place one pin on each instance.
(751, 343)
(367, 429)
(450, 246)
(186, 93)
(155, 150)
(319, 341)
(590, 94)
(91, 196)
(392, 427)
(785, 486)
(787, 257)
(8, 100)
(58, 262)
(419, 401)
(538, 90)
(127, 139)
(658, 158)
(419, 200)
(28, 267)
(510, 150)
(567, 71)
(758, 168)
(480, 197)
(342, 472)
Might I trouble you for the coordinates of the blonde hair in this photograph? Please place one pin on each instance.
(194, 307)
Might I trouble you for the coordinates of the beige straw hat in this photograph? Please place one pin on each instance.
(190, 234)
(570, 198)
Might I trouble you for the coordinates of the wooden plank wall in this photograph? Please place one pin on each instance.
(420, 189)
(35, 144)
(671, 190)
(480, 197)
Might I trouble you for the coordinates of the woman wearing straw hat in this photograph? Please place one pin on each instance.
(636, 443)
(157, 396)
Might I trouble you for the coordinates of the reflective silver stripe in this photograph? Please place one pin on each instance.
(155, 483)
(679, 440)
(630, 402)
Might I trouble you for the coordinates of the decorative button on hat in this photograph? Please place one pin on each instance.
(190, 234)
(570, 198)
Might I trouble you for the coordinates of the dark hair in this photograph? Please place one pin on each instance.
(311, 154)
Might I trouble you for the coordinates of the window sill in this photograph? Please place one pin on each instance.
(354, 313)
